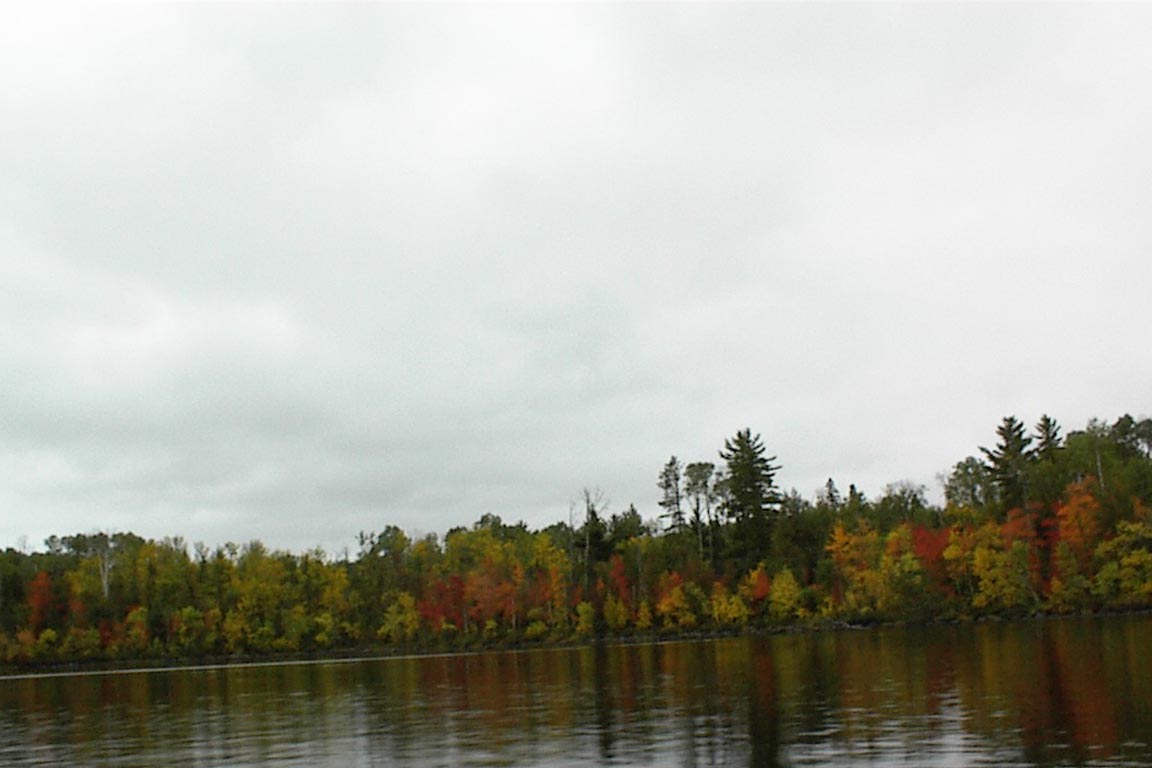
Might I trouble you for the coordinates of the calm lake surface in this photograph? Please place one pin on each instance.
(1054, 692)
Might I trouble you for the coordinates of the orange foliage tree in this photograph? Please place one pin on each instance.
(1079, 522)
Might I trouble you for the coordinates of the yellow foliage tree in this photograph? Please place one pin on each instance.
(901, 587)
(784, 599)
(1125, 578)
(643, 617)
(615, 613)
(1003, 578)
(401, 620)
(136, 637)
(727, 610)
(585, 619)
(856, 557)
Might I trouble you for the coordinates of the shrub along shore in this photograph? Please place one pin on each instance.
(1038, 524)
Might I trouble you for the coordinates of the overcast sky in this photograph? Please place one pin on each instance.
(294, 272)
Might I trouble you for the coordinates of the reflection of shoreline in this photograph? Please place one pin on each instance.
(33, 669)
(1041, 691)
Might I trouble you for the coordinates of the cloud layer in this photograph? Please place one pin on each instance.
(290, 273)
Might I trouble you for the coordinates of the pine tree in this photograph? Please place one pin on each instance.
(830, 496)
(751, 497)
(1008, 460)
(1048, 442)
(1047, 475)
(669, 485)
(751, 475)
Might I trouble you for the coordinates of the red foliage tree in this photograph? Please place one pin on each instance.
(928, 545)
(443, 602)
(621, 583)
(41, 601)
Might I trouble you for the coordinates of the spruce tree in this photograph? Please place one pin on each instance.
(1008, 461)
(751, 494)
(751, 475)
(1047, 438)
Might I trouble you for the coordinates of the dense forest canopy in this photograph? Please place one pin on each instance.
(1039, 521)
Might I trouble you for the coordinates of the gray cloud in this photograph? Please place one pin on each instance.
(294, 272)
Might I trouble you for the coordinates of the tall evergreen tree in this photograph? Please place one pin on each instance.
(624, 526)
(1008, 461)
(1047, 475)
(751, 476)
(592, 538)
(856, 506)
(1048, 440)
(751, 494)
(830, 495)
(670, 495)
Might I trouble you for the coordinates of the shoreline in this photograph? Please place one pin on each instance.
(95, 667)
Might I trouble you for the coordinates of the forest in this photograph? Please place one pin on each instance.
(1040, 522)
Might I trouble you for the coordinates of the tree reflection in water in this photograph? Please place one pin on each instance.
(1055, 692)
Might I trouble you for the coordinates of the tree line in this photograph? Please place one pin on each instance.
(1038, 522)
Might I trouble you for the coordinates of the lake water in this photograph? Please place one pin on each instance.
(1054, 692)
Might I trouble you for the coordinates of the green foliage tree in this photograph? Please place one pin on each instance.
(903, 502)
(799, 535)
(1125, 577)
(698, 487)
(751, 499)
(1047, 475)
(970, 485)
(101, 548)
(381, 569)
(670, 495)
(1115, 458)
(1008, 462)
(591, 539)
(1131, 436)
(1048, 440)
(625, 526)
(1069, 590)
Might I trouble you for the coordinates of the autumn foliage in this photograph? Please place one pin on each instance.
(1077, 537)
